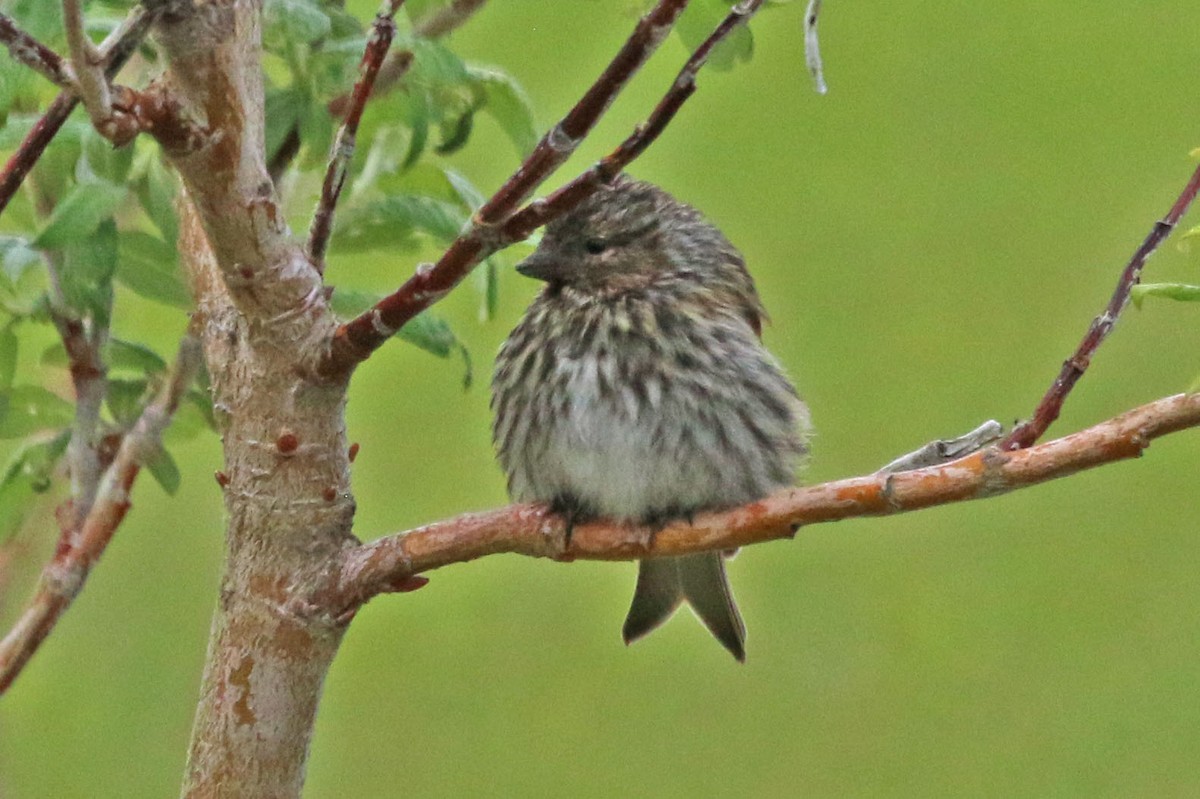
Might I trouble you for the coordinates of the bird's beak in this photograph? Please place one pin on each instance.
(540, 265)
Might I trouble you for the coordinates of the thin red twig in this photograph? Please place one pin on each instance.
(357, 339)
(1073, 368)
(378, 43)
(132, 31)
(79, 550)
(391, 563)
(29, 51)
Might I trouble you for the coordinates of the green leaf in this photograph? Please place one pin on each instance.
(157, 190)
(395, 222)
(38, 18)
(166, 473)
(9, 347)
(506, 102)
(16, 256)
(31, 463)
(28, 409)
(87, 273)
(288, 22)
(102, 160)
(125, 400)
(285, 108)
(79, 213)
(455, 133)
(1171, 291)
(121, 354)
(464, 189)
(149, 267)
(698, 21)
(431, 333)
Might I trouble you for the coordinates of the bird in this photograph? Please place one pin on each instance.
(636, 388)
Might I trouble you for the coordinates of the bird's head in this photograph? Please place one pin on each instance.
(624, 236)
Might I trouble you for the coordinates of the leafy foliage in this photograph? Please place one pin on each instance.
(94, 224)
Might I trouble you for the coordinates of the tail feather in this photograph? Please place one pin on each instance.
(664, 583)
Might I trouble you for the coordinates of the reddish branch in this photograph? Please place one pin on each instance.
(493, 225)
(123, 44)
(80, 549)
(29, 51)
(1074, 367)
(378, 43)
(390, 563)
(534, 215)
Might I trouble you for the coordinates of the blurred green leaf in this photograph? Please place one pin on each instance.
(455, 133)
(87, 273)
(111, 164)
(129, 355)
(9, 348)
(79, 213)
(31, 463)
(16, 256)
(699, 20)
(149, 267)
(431, 333)
(506, 102)
(395, 221)
(166, 473)
(125, 399)
(285, 108)
(157, 189)
(290, 22)
(1171, 291)
(38, 18)
(28, 409)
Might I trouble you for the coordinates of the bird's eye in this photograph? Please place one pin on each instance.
(595, 246)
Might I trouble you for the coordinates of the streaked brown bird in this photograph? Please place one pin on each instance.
(636, 387)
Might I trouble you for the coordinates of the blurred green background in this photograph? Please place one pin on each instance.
(932, 238)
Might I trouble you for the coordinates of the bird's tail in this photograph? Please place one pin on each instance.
(663, 583)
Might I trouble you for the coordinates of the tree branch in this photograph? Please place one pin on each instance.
(117, 49)
(1074, 367)
(390, 563)
(357, 339)
(378, 43)
(78, 552)
(531, 217)
(29, 51)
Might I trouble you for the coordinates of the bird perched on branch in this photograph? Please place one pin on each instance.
(636, 388)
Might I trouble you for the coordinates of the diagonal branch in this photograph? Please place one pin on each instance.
(1074, 367)
(357, 339)
(77, 553)
(378, 43)
(117, 49)
(28, 51)
(536, 214)
(391, 563)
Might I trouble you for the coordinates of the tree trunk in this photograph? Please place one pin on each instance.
(264, 321)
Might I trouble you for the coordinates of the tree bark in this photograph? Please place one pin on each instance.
(264, 319)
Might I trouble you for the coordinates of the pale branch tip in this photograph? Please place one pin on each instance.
(498, 222)
(1073, 368)
(82, 544)
(812, 46)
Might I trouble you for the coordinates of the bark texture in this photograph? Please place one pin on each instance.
(264, 318)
